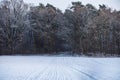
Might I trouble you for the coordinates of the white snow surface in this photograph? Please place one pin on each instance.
(58, 68)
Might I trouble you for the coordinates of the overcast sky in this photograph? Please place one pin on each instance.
(63, 4)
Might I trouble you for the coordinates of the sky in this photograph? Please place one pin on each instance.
(63, 4)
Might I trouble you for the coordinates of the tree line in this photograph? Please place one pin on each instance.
(81, 29)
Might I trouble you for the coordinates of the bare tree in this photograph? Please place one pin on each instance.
(13, 22)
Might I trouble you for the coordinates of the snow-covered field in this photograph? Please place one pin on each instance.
(58, 68)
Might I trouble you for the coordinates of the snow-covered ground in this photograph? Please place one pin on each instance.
(58, 68)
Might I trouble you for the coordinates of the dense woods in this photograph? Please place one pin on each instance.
(81, 29)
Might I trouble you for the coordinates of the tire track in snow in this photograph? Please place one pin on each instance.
(86, 74)
(58, 68)
(48, 73)
(36, 74)
(78, 65)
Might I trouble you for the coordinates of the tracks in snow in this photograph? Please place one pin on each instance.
(56, 68)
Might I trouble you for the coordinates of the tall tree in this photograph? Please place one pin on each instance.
(12, 23)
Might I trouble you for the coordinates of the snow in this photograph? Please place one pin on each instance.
(58, 68)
